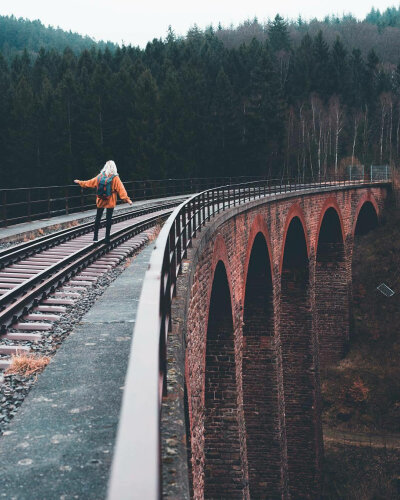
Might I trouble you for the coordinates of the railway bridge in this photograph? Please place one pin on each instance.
(244, 297)
(253, 290)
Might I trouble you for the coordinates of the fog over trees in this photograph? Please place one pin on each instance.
(281, 98)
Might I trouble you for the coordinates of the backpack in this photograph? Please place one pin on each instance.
(104, 187)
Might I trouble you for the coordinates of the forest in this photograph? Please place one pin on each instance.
(279, 99)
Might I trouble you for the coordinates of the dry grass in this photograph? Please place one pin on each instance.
(27, 364)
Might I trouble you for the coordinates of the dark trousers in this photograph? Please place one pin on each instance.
(108, 222)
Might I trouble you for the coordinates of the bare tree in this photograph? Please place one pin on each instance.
(303, 139)
(336, 110)
(317, 111)
(356, 124)
(290, 129)
(390, 126)
(384, 100)
(365, 134)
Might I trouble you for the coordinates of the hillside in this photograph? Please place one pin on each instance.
(378, 31)
(19, 34)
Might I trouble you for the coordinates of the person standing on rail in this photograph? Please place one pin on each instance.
(108, 184)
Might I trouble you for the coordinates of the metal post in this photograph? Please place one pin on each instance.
(184, 230)
(203, 202)
(198, 199)
(179, 241)
(66, 200)
(4, 204)
(172, 264)
(29, 207)
(189, 222)
(48, 202)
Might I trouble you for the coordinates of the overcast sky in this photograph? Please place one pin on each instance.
(138, 21)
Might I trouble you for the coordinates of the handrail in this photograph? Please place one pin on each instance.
(136, 464)
(30, 203)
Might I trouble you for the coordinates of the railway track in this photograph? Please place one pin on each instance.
(39, 280)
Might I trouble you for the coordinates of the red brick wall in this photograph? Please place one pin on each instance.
(260, 391)
(282, 336)
(223, 468)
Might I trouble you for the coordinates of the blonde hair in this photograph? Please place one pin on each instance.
(110, 168)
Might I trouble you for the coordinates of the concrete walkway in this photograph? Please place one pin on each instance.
(31, 230)
(60, 444)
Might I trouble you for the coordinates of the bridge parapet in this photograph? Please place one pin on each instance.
(224, 220)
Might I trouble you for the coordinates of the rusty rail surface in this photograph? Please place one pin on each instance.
(32, 203)
(136, 468)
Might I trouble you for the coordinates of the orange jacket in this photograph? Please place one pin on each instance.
(116, 187)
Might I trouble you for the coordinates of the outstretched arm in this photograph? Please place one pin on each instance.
(120, 188)
(92, 183)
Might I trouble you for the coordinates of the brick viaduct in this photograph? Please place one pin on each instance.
(262, 304)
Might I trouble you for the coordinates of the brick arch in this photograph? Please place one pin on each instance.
(259, 370)
(294, 211)
(299, 384)
(331, 202)
(367, 197)
(197, 355)
(259, 226)
(331, 311)
(220, 253)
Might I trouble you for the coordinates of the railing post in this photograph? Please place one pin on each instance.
(66, 200)
(193, 213)
(203, 196)
(81, 199)
(48, 202)
(198, 199)
(29, 207)
(190, 222)
(4, 207)
(178, 237)
(184, 230)
(172, 264)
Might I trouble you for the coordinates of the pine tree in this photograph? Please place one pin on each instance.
(322, 68)
(278, 34)
(340, 68)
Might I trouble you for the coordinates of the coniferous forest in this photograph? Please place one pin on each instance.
(277, 99)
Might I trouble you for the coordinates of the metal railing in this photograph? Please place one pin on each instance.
(136, 463)
(32, 203)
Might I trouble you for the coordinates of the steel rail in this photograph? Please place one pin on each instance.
(20, 299)
(15, 253)
(136, 467)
